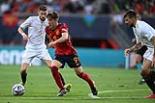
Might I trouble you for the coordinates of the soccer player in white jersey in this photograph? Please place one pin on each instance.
(145, 35)
(35, 47)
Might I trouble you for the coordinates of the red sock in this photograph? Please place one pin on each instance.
(87, 78)
(57, 77)
(62, 79)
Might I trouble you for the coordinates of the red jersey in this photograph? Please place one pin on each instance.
(64, 48)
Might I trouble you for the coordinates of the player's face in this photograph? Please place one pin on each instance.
(129, 21)
(52, 23)
(42, 14)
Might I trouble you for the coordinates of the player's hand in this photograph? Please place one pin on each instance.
(51, 44)
(25, 37)
(127, 51)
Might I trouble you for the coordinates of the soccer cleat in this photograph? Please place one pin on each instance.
(62, 92)
(94, 91)
(152, 96)
(93, 96)
(141, 82)
(68, 87)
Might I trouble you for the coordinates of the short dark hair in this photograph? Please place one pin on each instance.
(130, 14)
(53, 15)
(42, 8)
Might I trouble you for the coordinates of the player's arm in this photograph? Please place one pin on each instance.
(153, 42)
(22, 33)
(63, 38)
(24, 25)
(134, 48)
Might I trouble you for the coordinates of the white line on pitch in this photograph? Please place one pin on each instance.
(116, 91)
(127, 97)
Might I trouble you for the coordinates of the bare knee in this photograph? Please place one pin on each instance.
(78, 70)
(24, 68)
(55, 64)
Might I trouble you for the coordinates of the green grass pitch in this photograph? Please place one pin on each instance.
(114, 85)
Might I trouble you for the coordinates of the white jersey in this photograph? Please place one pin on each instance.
(36, 32)
(143, 33)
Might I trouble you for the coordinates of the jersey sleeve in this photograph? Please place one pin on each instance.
(26, 23)
(148, 31)
(137, 39)
(64, 28)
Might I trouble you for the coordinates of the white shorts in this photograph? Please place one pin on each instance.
(29, 55)
(149, 54)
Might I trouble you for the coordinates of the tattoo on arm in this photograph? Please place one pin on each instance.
(135, 47)
(153, 41)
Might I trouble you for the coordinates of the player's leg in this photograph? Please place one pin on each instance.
(62, 79)
(149, 76)
(139, 60)
(26, 59)
(54, 67)
(74, 62)
(147, 73)
(59, 81)
(23, 72)
(85, 76)
(49, 64)
(63, 89)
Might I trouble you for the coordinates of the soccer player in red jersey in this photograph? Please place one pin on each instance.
(65, 53)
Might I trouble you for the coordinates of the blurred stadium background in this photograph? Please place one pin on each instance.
(95, 26)
(96, 29)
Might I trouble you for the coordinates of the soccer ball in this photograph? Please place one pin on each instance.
(18, 90)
